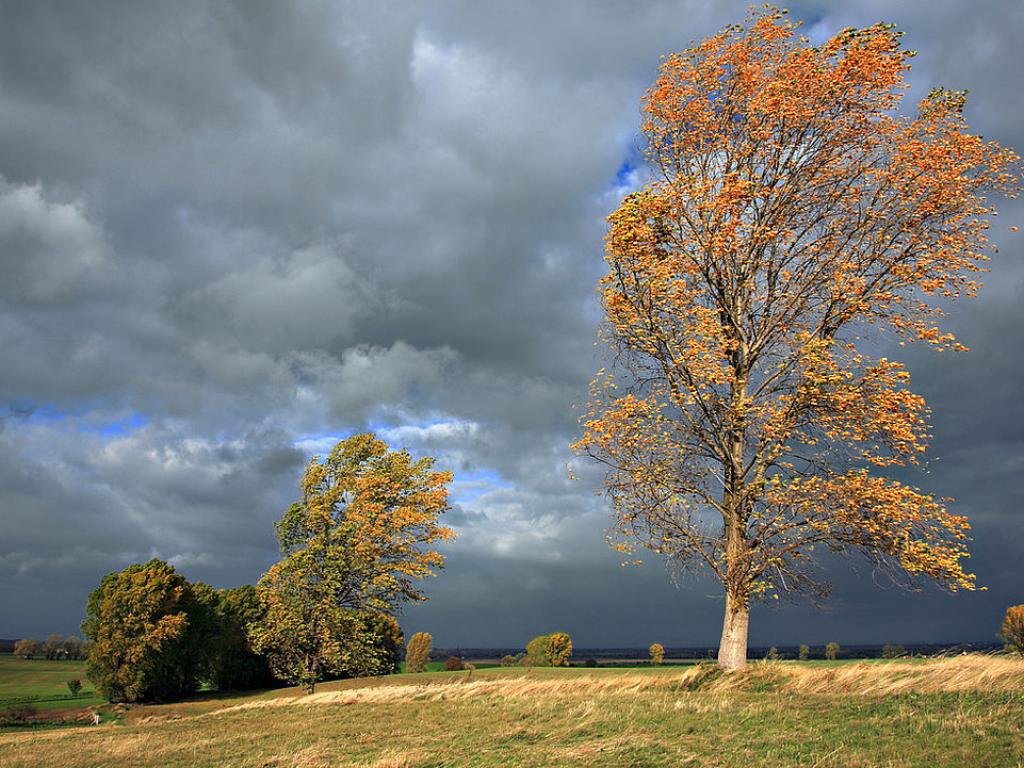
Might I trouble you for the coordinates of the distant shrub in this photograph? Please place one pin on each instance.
(1012, 632)
(805, 652)
(773, 654)
(17, 715)
(75, 686)
(590, 663)
(453, 664)
(512, 659)
(832, 651)
(893, 651)
(417, 654)
(657, 652)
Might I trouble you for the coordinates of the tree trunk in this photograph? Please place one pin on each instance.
(732, 650)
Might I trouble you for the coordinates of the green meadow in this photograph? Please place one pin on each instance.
(42, 684)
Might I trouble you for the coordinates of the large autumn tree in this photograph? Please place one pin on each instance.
(793, 215)
(354, 547)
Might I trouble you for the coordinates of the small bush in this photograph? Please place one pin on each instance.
(657, 652)
(893, 651)
(832, 651)
(512, 660)
(773, 654)
(702, 674)
(75, 686)
(805, 652)
(453, 664)
(18, 715)
(590, 663)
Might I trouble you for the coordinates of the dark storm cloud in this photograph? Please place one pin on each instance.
(231, 233)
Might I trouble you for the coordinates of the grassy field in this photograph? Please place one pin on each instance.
(43, 684)
(960, 711)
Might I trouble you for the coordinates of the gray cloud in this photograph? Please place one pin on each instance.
(231, 233)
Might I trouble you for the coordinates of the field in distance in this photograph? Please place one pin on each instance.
(956, 711)
(42, 685)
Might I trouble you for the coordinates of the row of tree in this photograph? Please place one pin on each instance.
(54, 647)
(353, 548)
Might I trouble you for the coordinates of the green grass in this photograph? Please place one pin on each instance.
(43, 684)
(438, 666)
(943, 714)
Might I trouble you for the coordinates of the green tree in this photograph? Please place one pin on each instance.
(357, 542)
(418, 653)
(384, 655)
(1012, 632)
(537, 652)
(805, 652)
(75, 686)
(832, 651)
(236, 666)
(657, 652)
(147, 631)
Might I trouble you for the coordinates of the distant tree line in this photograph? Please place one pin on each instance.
(54, 647)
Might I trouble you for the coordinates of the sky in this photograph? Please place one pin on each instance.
(232, 233)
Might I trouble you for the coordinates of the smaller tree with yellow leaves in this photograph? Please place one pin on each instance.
(418, 653)
(356, 543)
(657, 652)
(1012, 632)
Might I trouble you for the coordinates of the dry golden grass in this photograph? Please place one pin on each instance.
(970, 672)
(948, 674)
(957, 711)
